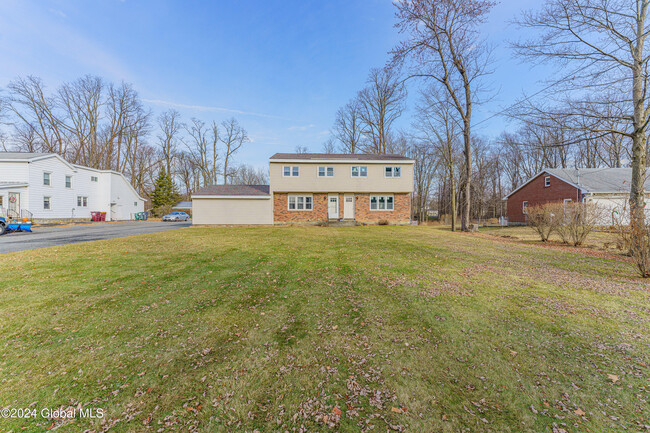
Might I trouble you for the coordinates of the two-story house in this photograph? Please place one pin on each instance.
(312, 188)
(48, 187)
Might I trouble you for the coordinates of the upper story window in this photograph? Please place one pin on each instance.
(47, 178)
(547, 181)
(359, 171)
(68, 181)
(325, 171)
(93, 178)
(290, 171)
(392, 171)
(524, 206)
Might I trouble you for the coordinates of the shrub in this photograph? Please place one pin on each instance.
(543, 219)
(576, 221)
(161, 211)
(383, 222)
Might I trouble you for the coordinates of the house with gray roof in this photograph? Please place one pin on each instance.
(609, 188)
(308, 188)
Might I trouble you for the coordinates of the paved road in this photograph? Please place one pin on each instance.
(50, 237)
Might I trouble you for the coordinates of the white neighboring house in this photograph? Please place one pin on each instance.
(49, 187)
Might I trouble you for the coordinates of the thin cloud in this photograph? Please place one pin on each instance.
(209, 108)
(301, 128)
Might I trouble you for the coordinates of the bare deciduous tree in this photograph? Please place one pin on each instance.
(380, 103)
(233, 137)
(442, 44)
(249, 175)
(605, 41)
(170, 125)
(347, 127)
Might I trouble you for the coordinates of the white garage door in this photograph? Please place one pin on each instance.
(232, 210)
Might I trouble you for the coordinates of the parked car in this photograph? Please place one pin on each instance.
(176, 216)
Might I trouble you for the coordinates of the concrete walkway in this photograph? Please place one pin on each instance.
(54, 236)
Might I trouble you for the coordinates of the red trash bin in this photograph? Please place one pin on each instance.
(94, 216)
(102, 216)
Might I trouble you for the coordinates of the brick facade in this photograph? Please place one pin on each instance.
(362, 213)
(535, 193)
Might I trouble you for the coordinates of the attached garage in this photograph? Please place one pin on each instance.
(232, 204)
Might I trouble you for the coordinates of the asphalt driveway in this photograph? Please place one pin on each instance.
(51, 237)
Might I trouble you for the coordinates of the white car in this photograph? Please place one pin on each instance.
(176, 216)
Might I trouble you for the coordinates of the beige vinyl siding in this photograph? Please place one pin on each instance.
(232, 210)
(342, 181)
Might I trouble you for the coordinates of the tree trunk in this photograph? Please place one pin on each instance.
(452, 186)
(468, 177)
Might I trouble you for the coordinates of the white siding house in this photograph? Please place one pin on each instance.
(49, 187)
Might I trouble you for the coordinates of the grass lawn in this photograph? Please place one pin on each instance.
(324, 329)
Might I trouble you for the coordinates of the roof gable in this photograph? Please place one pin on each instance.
(343, 157)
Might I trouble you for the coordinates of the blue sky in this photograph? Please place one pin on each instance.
(281, 67)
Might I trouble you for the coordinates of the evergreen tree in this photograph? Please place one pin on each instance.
(164, 192)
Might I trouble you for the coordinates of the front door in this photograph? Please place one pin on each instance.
(333, 207)
(13, 208)
(348, 207)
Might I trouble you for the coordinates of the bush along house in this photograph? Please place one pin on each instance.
(311, 188)
(608, 188)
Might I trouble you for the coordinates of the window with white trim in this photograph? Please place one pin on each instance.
(382, 202)
(1, 198)
(47, 178)
(359, 171)
(524, 206)
(93, 178)
(68, 182)
(82, 201)
(47, 203)
(390, 171)
(300, 202)
(547, 181)
(325, 171)
(290, 171)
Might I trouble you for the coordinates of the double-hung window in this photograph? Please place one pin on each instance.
(290, 171)
(325, 171)
(524, 206)
(547, 181)
(93, 178)
(47, 178)
(359, 171)
(300, 202)
(47, 203)
(82, 201)
(390, 171)
(68, 182)
(382, 202)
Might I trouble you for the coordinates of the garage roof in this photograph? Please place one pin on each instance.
(233, 190)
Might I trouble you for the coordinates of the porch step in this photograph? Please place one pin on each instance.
(344, 223)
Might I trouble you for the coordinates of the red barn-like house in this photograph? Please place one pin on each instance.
(607, 187)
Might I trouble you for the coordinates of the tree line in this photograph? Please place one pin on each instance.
(106, 126)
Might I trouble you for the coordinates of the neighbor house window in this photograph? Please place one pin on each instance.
(93, 178)
(300, 202)
(47, 204)
(82, 201)
(68, 181)
(547, 181)
(1, 200)
(524, 206)
(135, 203)
(325, 171)
(393, 171)
(290, 171)
(359, 171)
(382, 202)
(46, 178)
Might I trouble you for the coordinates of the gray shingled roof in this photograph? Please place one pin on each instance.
(21, 155)
(607, 180)
(341, 156)
(260, 190)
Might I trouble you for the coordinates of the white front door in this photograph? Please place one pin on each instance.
(348, 207)
(333, 207)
